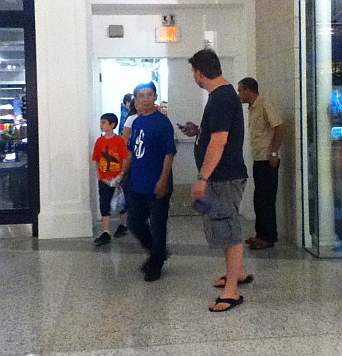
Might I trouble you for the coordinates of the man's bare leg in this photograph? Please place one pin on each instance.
(234, 265)
(220, 282)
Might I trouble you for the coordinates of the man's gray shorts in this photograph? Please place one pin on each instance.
(222, 224)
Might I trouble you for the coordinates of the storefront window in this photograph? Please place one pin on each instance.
(11, 5)
(324, 126)
(13, 124)
(19, 156)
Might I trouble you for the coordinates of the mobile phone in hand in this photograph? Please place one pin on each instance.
(201, 206)
(180, 126)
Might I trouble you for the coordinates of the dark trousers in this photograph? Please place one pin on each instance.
(105, 194)
(147, 220)
(265, 194)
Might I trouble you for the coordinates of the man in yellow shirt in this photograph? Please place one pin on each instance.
(266, 131)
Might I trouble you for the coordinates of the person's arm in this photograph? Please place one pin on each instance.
(129, 157)
(97, 171)
(161, 188)
(167, 145)
(126, 134)
(276, 123)
(214, 152)
(96, 159)
(213, 155)
(127, 164)
(278, 136)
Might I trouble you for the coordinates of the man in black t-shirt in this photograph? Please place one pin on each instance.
(222, 173)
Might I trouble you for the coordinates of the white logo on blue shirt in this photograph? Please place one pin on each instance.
(139, 148)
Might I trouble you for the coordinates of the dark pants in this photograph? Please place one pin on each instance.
(105, 194)
(265, 194)
(147, 220)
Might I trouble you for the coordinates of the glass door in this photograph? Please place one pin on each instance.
(19, 185)
(13, 121)
(323, 126)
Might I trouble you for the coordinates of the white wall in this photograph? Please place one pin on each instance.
(234, 23)
(192, 24)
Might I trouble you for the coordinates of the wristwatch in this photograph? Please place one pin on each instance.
(200, 177)
(274, 154)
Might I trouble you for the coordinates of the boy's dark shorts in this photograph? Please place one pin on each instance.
(106, 194)
(222, 224)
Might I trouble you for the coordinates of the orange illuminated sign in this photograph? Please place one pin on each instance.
(167, 34)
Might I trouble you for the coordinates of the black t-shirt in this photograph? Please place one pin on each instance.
(223, 113)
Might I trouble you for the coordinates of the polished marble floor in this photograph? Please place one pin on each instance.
(64, 297)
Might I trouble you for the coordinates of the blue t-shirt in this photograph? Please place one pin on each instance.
(151, 140)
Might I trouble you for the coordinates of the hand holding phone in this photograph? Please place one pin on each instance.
(189, 129)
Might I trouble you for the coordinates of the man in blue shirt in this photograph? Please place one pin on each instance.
(152, 149)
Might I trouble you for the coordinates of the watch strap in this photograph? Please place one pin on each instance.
(200, 177)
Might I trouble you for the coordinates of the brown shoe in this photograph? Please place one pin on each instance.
(251, 240)
(261, 245)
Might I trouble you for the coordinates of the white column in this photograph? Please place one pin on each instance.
(324, 87)
(63, 107)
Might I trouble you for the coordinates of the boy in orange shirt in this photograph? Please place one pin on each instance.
(110, 153)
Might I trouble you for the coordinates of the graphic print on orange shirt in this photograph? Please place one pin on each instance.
(109, 162)
(109, 154)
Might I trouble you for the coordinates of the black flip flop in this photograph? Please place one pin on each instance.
(248, 279)
(232, 304)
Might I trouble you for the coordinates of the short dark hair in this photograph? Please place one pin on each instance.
(111, 118)
(132, 109)
(149, 85)
(251, 84)
(207, 62)
(127, 98)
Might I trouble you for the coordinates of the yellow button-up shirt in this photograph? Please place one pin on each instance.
(262, 121)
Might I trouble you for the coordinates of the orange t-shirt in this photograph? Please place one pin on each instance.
(109, 153)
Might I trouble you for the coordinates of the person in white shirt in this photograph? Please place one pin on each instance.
(132, 115)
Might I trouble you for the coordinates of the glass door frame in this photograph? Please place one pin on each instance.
(316, 224)
(306, 219)
(25, 20)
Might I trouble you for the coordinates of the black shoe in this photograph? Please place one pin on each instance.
(150, 263)
(145, 266)
(152, 275)
(152, 269)
(103, 239)
(121, 231)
